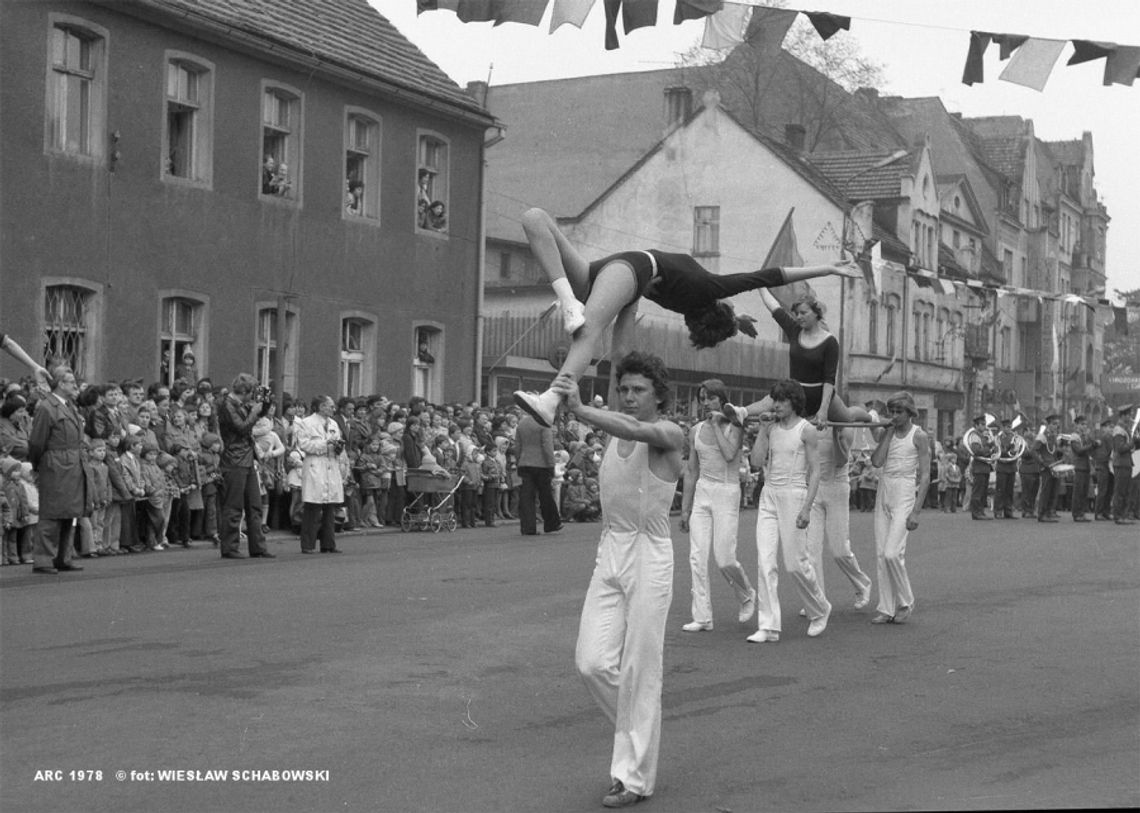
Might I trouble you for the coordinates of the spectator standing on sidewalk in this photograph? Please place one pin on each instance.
(536, 473)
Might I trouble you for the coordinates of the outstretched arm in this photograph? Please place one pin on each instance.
(15, 351)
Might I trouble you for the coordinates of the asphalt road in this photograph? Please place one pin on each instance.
(434, 672)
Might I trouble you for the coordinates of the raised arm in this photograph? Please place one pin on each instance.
(811, 458)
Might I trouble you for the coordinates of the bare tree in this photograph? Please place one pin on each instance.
(808, 82)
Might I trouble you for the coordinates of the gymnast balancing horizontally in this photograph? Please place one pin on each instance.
(813, 361)
(611, 287)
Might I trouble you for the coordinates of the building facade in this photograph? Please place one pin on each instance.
(293, 191)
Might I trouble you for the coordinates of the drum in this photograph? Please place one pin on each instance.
(1061, 469)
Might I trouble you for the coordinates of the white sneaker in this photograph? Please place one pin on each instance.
(747, 608)
(862, 598)
(540, 407)
(816, 627)
(573, 316)
(902, 614)
(764, 637)
(698, 626)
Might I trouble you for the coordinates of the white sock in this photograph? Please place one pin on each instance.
(563, 291)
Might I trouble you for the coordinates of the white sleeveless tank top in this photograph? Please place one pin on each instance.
(788, 463)
(634, 499)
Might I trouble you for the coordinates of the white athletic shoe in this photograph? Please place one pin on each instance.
(764, 637)
(747, 608)
(573, 316)
(540, 407)
(698, 626)
(862, 598)
(816, 627)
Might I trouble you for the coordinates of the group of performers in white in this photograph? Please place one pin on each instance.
(803, 505)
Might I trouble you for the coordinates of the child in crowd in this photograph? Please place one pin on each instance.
(210, 478)
(472, 467)
(91, 537)
(577, 503)
(268, 449)
(151, 514)
(509, 505)
(130, 464)
(561, 458)
(178, 486)
(294, 463)
(389, 452)
(112, 517)
(368, 468)
(171, 492)
(951, 483)
(18, 519)
(493, 463)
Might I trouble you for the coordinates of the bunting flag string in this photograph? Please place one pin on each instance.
(729, 23)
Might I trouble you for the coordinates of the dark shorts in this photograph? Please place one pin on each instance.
(641, 263)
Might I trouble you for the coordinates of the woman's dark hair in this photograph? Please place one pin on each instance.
(12, 404)
(790, 391)
(90, 396)
(653, 368)
(711, 325)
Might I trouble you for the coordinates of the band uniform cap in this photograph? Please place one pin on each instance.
(1052, 418)
(1007, 421)
(1124, 409)
(979, 419)
(1080, 419)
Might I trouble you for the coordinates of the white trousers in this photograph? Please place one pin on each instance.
(775, 531)
(893, 505)
(621, 638)
(831, 521)
(714, 521)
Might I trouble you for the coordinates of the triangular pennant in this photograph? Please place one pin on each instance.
(527, 12)
(1123, 65)
(1009, 43)
(725, 28)
(1033, 62)
(975, 71)
(1087, 51)
(637, 14)
(768, 27)
(695, 9)
(570, 11)
(827, 24)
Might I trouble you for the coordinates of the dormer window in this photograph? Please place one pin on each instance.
(678, 104)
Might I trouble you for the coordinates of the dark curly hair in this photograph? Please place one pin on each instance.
(711, 325)
(790, 391)
(650, 366)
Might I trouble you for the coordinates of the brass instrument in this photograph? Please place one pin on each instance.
(989, 435)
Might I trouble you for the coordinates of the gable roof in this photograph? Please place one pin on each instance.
(1002, 142)
(857, 175)
(347, 34)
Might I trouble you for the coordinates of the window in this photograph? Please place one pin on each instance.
(427, 362)
(280, 142)
(706, 231)
(68, 327)
(357, 354)
(189, 122)
(1007, 264)
(362, 166)
(873, 327)
(504, 265)
(180, 329)
(956, 240)
(892, 307)
(270, 346)
(678, 104)
(1006, 348)
(76, 88)
(432, 184)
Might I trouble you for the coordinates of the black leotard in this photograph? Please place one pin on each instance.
(683, 285)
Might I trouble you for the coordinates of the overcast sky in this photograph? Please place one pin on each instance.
(922, 45)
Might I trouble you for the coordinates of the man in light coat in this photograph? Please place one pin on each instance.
(322, 488)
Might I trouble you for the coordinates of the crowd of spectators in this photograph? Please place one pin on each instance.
(151, 461)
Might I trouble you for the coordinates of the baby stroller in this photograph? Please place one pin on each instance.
(427, 511)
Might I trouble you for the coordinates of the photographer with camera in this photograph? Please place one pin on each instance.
(322, 486)
(237, 413)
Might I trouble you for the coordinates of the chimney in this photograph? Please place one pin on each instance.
(478, 91)
(869, 95)
(794, 136)
(678, 105)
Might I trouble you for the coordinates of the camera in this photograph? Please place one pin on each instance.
(336, 446)
(262, 394)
